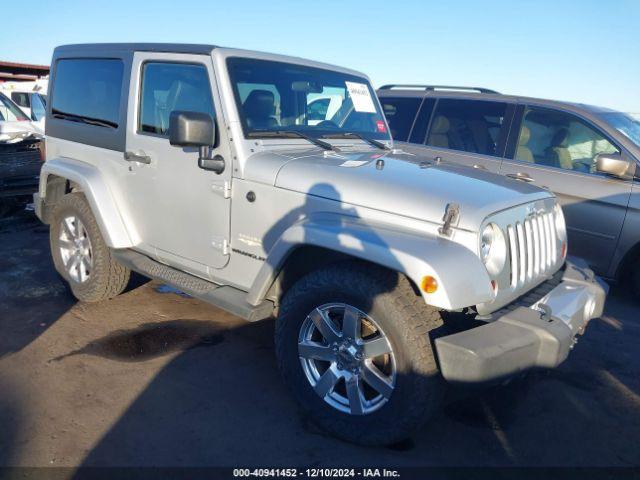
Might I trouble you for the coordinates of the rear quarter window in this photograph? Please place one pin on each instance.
(88, 88)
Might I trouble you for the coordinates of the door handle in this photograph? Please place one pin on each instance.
(521, 176)
(139, 157)
(479, 167)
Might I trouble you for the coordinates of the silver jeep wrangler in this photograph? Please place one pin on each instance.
(268, 186)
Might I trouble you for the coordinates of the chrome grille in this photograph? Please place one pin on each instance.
(532, 248)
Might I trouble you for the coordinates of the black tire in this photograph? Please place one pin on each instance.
(633, 278)
(390, 300)
(107, 278)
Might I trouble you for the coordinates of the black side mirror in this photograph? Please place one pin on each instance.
(196, 129)
(191, 129)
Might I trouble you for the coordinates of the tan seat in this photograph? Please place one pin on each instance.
(524, 152)
(438, 136)
(559, 149)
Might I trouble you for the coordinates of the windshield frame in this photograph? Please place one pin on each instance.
(312, 131)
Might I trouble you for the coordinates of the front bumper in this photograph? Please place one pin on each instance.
(539, 335)
(38, 206)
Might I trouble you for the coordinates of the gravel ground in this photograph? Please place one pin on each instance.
(155, 378)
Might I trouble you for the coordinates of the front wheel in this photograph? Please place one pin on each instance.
(352, 342)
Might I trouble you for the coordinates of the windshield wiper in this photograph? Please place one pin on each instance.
(370, 141)
(82, 119)
(290, 134)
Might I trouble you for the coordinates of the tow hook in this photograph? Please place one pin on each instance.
(573, 343)
(545, 312)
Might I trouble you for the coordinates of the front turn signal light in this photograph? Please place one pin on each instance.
(429, 284)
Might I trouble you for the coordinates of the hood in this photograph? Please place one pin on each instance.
(13, 132)
(405, 184)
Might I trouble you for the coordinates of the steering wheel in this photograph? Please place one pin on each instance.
(584, 166)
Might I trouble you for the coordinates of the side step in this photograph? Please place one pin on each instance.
(229, 298)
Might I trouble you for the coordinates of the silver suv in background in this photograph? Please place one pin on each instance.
(267, 185)
(586, 155)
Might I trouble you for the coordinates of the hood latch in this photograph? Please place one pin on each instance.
(451, 215)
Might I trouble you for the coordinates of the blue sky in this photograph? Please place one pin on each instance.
(580, 50)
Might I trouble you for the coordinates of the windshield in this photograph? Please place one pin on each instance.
(9, 111)
(625, 124)
(279, 97)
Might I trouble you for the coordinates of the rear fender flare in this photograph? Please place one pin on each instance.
(100, 198)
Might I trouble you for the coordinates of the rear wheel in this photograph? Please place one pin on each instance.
(352, 342)
(80, 254)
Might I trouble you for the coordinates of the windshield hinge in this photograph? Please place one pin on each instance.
(223, 189)
(451, 214)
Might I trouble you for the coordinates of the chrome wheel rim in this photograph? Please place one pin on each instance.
(75, 249)
(347, 358)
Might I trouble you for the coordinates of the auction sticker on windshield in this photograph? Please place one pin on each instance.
(361, 97)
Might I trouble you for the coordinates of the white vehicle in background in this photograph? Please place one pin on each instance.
(322, 107)
(15, 125)
(30, 97)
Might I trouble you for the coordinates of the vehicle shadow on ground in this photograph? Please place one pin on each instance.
(32, 294)
(11, 422)
(220, 400)
(223, 403)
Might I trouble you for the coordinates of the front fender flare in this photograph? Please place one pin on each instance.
(462, 279)
(95, 189)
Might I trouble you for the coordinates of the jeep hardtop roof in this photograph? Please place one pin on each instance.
(104, 49)
(126, 51)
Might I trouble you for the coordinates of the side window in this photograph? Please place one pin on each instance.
(37, 107)
(558, 139)
(88, 88)
(400, 113)
(419, 132)
(172, 86)
(21, 99)
(472, 126)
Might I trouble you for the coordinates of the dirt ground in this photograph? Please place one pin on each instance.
(155, 378)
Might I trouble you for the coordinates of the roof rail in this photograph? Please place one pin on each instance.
(430, 88)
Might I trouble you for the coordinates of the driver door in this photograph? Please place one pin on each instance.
(181, 212)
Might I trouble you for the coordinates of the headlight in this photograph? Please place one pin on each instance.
(493, 248)
(561, 228)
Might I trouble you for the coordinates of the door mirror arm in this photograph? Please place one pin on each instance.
(208, 161)
(196, 129)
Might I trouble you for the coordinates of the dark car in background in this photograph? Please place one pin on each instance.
(586, 155)
(21, 147)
